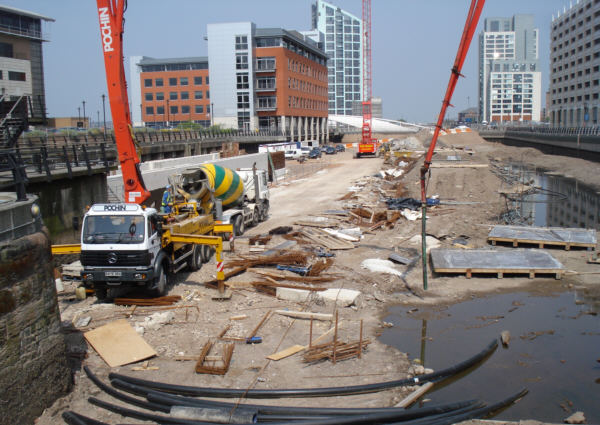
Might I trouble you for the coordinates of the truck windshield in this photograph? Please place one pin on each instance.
(113, 229)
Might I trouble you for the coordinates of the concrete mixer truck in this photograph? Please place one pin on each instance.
(239, 197)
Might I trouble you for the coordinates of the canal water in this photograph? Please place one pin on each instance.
(559, 202)
(554, 350)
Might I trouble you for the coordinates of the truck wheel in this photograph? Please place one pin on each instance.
(238, 225)
(161, 282)
(206, 253)
(101, 293)
(195, 260)
(256, 216)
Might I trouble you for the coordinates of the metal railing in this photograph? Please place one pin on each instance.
(541, 129)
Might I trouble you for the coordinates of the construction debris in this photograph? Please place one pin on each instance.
(218, 367)
(160, 301)
(335, 350)
(340, 296)
(305, 315)
(380, 266)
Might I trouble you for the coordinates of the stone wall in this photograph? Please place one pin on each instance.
(33, 364)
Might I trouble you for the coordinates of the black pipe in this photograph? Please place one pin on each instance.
(72, 418)
(484, 411)
(264, 410)
(124, 397)
(307, 392)
(123, 411)
(379, 418)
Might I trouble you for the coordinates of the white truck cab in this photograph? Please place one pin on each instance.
(121, 246)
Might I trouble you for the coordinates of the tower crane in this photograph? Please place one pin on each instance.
(367, 145)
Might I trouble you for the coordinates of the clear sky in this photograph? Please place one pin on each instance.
(414, 44)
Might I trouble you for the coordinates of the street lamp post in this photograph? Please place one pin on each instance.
(83, 101)
(79, 113)
(98, 120)
(168, 114)
(141, 115)
(104, 113)
(212, 112)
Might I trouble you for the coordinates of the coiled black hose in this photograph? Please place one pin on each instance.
(307, 392)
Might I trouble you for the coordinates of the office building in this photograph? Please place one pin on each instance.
(509, 76)
(21, 60)
(267, 78)
(376, 107)
(168, 92)
(575, 65)
(343, 46)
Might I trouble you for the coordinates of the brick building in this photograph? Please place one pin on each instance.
(268, 78)
(167, 92)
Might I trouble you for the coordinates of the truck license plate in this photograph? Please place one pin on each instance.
(112, 274)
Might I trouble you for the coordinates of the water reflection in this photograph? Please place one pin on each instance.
(561, 202)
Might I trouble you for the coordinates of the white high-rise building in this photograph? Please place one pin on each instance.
(343, 46)
(575, 65)
(509, 77)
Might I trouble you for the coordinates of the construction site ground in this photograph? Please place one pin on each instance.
(309, 189)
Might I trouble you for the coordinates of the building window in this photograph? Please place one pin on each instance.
(185, 109)
(173, 95)
(160, 110)
(147, 82)
(185, 95)
(159, 82)
(269, 102)
(199, 95)
(207, 94)
(199, 109)
(207, 80)
(16, 76)
(183, 81)
(174, 109)
(242, 82)
(173, 81)
(241, 42)
(241, 61)
(243, 101)
(197, 81)
(208, 109)
(264, 64)
(6, 50)
(160, 95)
(149, 97)
(149, 110)
(266, 83)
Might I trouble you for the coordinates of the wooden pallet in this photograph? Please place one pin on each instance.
(541, 244)
(501, 272)
(323, 238)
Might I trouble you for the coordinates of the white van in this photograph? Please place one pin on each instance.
(293, 154)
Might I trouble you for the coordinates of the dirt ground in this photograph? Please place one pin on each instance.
(309, 189)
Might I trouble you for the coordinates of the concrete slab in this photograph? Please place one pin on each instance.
(544, 236)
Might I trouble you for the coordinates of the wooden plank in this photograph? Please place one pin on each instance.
(305, 315)
(119, 344)
(286, 353)
(325, 239)
(415, 395)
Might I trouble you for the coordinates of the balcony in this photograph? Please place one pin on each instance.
(266, 103)
(266, 64)
(265, 84)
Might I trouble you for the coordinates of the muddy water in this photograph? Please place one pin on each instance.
(554, 351)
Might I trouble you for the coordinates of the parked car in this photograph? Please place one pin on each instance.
(340, 148)
(330, 150)
(305, 150)
(314, 153)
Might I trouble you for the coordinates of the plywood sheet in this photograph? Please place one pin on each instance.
(325, 239)
(119, 344)
(544, 235)
(519, 260)
(286, 353)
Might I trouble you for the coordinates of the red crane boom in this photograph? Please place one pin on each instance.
(110, 15)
